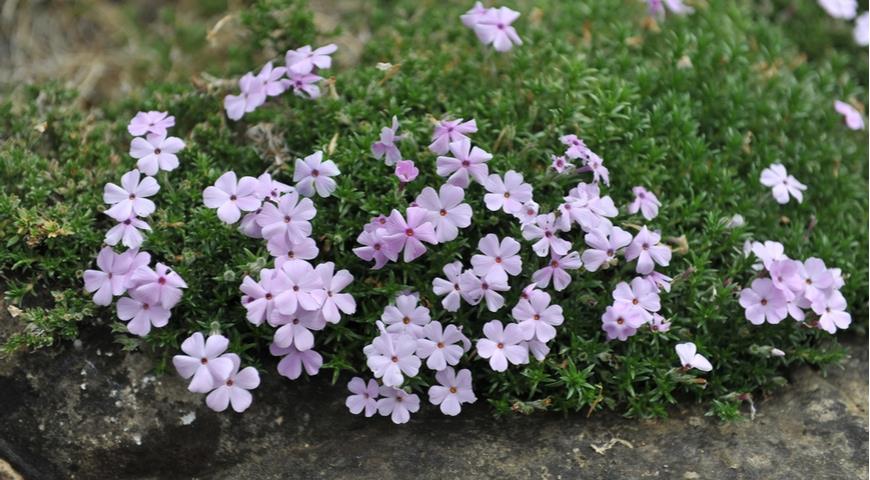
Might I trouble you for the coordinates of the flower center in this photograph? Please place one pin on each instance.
(156, 151)
(548, 234)
(497, 259)
(499, 345)
(466, 163)
(409, 232)
(145, 306)
(645, 246)
(484, 286)
(203, 361)
(456, 286)
(290, 254)
(268, 296)
(609, 252)
(620, 321)
(127, 222)
(443, 212)
(507, 195)
(315, 173)
(287, 219)
(452, 389)
(634, 301)
(230, 382)
(406, 320)
(499, 26)
(295, 321)
(395, 359)
(329, 293)
(132, 196)
(641, 195)
(161, 280)
(232, 198)
(295, 288)
(440, 344)
(763, 301)
(554, 264)
(536, 317)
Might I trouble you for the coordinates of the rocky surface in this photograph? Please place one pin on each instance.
(94, 412)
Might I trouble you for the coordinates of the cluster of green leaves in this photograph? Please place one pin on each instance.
(692, 108)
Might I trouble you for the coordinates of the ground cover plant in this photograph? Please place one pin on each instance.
(696, 112)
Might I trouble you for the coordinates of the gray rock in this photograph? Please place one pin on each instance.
(96, 413)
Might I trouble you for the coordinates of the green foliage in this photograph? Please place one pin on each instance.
(693, 109)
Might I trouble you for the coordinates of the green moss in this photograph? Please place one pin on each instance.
(694, 111)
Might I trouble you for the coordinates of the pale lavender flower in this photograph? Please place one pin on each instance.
(364, 398)
(305, 289)
(599, 172)
(816, 278)
(502, 345)
(230, 196)
(440, 345)
(556, 270)
(304, 85)
(763, 302)
(861, 32)
(842, 9)
(769, 252)
(261, 295)
(295, 330)
(155, 153)
(646, 202)
(313, 174)
(131, 197)
(453, 391)
(406, 171)
(409, 235)
(690, 358)
(786, 277)
(466, 162)
(508, 194)
(386, 147)
(271, 78)
(203, 362)
(141, 314)
(832, 313)
(499, 259)
(234, 389)
(576, 147)
(290, 218)
(449, 131)
(293, 361)
(659, 324)
(587, 207)
(252, 95)
(494, 27)
(159, 286)
(335, 302)
(269, 189)
(127, 233)
(446, 212)
(560, 164)
(645, 247)
(851, 116)
(605, 241)
(305, 60)
(782, 184)
(113, 276)
(621, 321)
(545, 231)
(284, 250)
(528, 213)
(471, 17)
(449, 288)
(537, 349)
(398, 404)
(474, 289)
(639, 294)
(390, 356)
(537, 318)
(374, 248)
(406, 316)
(150, 122)
(659, 281)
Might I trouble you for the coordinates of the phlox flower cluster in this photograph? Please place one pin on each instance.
(298, 74)
(150, 292)
(807, 291)
(493, 26)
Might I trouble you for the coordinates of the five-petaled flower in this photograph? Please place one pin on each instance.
(230, 196)
(782, 184)
(453, 389)
(131, 197)
(313, 174)
(502, 345)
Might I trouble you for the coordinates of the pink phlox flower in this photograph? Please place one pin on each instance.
(374, 247)
(391, 355)
(851, 116)
(782, 184)
(305, 60)
(621, 321)
(595, 164)
(768, 252)
(131, 197)
(386, 147)
(786, 277)
(449, 131)
(494, 28)
(560, 164)
(295, 330)
(537, 318)
(284, 250)
(763, 302)
(440, 346)
(537, 349)
(832, 313)
(471, 17)
(659, 324)
(557, 270)
(508, 194)
(645, 247)
(141, 314)
(304, 291)
(861, 34)
(230, 196)
(409, 235)
(690, 358)
(335, 302)
(304, 85)
(406, 171)
(234, 389)
(816, 278)
(646, 202)
(466, 162)
(252, 94)
(474, 289)
(150, 122)
(158, 286)
(398, 404)
(113, 276)
(502, 345)
(498, 260)
(449, 288)
(203, 362)
(290, 218)
(156, 152)
(842, 9)
(261, 295)
(639, 294)
(293, 361)
(585, 206)
(406, 316)
(605, 243)
(271, 78)
(528, 213)
(364, 396)
(127, 233)
(545, 231)
(313, 174)
(659, 281)
(269, 189)
(446, 212)
(577, 148)
(453, 390)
